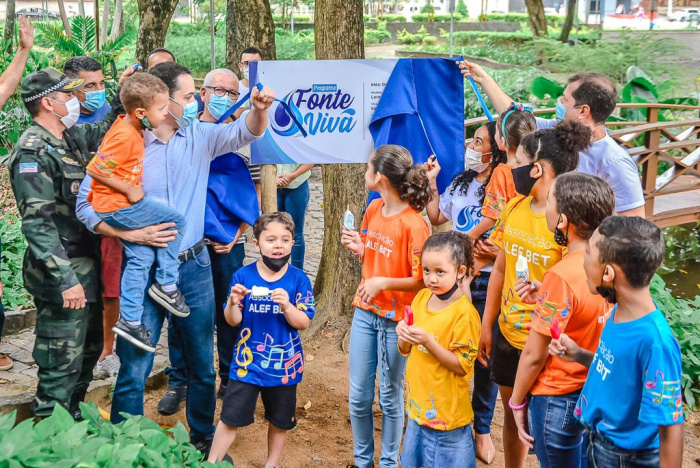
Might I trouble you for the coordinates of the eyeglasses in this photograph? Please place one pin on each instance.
(223, 92)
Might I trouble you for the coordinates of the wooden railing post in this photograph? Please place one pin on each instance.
(652, 139)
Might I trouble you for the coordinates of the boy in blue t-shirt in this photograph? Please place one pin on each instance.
(271, 301)
(631, 403)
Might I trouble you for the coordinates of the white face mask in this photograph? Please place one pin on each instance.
(246, 73)
(73, 108)
(474, 163)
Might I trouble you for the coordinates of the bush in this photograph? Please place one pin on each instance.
(552, 20)
(61, 441)
(423, 18)
(299, 47)
(392, 18)
(406, 37)
(461, 9)
(297, 19)
(377, 36)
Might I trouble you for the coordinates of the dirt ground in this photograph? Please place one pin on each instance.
(323, 436)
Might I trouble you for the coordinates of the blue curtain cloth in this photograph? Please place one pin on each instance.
(231, 198)
(422, 109)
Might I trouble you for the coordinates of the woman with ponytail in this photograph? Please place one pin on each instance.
(528, 250)
(389, 245)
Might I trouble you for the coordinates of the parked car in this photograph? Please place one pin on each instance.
(684, 14)
(37, 14)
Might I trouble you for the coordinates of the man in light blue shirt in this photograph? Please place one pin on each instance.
(589, 98)
(176, 172)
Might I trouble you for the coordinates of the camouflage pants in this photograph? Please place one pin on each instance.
(68, 344)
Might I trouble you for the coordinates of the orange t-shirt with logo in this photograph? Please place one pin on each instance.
(393, 246)
(120, 155)
(565, 295)
(499, 191)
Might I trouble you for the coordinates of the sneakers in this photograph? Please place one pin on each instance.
(174, 302)
(135, 334)
(170, 403)
(5, 362)
(108, 367)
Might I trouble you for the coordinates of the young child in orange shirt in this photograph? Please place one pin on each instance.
(118, 199)
(577, 204)
(389, 244)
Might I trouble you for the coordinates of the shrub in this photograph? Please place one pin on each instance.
(423, 18)
(391, 18)
(552, 20)
(61, 441)
(461, 9)
(297, 19)
(377, 36)
(13, 247)
(406, 37)
(430, 40)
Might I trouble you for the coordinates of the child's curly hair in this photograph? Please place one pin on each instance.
(411, 181)
(457, 244)
(558, 145)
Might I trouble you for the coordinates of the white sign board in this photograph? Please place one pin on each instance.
(333, 100)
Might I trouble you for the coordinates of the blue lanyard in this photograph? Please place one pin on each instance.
(481, 99)
(245, 99)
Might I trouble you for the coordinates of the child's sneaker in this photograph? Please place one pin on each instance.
(174, 301)
(135, 334)
(108, 367)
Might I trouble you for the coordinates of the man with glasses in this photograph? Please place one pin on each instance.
(249, 54)
(60, 264)
(92, 96)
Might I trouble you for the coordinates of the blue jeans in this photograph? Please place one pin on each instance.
(195, 333)
(223, 266)
(424, 447)
(558, 434)
(603, 453)
(295, 201)
(374, 346)
(485, 390)
(139, 258)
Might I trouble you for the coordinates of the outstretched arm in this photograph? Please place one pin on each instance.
(497, 96)
(13, 73)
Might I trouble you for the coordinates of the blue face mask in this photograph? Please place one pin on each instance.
(189, 113)
(94, 100)
(561, 110)
(218, 105)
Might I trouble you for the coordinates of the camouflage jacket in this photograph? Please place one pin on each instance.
(46, 173)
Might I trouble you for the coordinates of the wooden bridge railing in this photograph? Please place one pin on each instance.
(672, 194)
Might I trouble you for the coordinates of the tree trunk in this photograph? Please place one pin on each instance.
(569, 22)
(64, 17)
(9, 25)
(155, 16)
(117, 21)
(81, 8)
(105, 22)
(339, 34)
(538, 22)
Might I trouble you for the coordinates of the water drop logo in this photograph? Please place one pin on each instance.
(282, 124)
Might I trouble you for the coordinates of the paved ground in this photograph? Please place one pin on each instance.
(18, 384)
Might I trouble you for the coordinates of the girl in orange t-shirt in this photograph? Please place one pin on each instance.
(576, 205)
(389, 244)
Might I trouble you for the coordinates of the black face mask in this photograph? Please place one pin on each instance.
(522, 180)
(275, 263)
(445, 296)
(607, 293)
(559, 237)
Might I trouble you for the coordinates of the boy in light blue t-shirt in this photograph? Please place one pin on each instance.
(271, 301)
(631, 403)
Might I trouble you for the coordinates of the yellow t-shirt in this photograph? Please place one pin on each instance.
(519, 231)
(437, 397)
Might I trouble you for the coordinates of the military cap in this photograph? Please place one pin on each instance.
(40, 83)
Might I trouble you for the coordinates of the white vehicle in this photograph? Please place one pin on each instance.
(683, 14)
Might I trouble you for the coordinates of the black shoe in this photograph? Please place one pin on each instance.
(203, 446)
(170, 403)
(174, 302)
(222, 390)
(135, 334)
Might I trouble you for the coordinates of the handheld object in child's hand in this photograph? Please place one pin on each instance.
(408, 315)
(259, 291)
(137, 67)
(555, 329)
(522, 271)
(349, 220)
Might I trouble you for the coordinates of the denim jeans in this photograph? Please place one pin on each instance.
(558, 434)
(429, 448)
(139, 258)
(485, 390)
(374, 347)
(295, 201)
(195, 333)
(223, 266)
(603, 453)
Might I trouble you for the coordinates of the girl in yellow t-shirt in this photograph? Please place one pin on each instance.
(528, 250)
(441, 345)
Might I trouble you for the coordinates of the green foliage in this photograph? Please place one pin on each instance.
(684, 318)
(682, 247)
(192, 50)
(59, 441)
(297, 19)
(461, 9)
(552, 20)
(405, 37)
(379, 35)
(423, 18)
(391, 18)
(299, 47)
(13, 247)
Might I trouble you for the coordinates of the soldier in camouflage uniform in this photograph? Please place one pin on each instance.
(61, 265)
